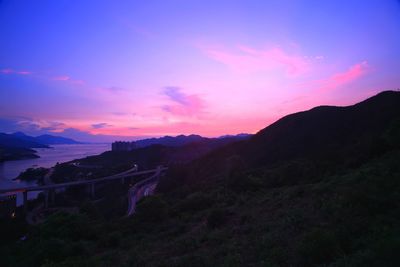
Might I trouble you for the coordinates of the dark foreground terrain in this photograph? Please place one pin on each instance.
(316, 188)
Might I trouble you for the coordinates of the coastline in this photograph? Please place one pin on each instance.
(14, 154)
(45, 158)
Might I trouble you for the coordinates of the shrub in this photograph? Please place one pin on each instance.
(240, 182)
(90, 210)
(216, 218)
(152, 209)
(317, 247)
(195, 202)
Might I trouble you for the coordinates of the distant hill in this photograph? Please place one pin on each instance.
(327, 132)
(19, 140)
(325, 137)
(181, 140)
(19, 145)
(46, 139)
(170, 140)
(55, 140)
(16, 153)
(151, 156)
(237, 136)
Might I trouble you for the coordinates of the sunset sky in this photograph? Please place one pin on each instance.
(96, 70)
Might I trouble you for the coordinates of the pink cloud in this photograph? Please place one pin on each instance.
(79, 82)
(182, 104)
(247, 59)
(6, 71)
(353, 73)
(62, 78)
(11, 71)
(140, 30)
(24, 72)
(66, 78)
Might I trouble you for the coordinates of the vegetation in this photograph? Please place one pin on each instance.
(348, 219)
(33, 174)
(322, 207)
(16, 153)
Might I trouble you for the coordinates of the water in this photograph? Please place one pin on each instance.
(48, 158)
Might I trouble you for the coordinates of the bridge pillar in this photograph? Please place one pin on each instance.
(46, 199)
(25, 201)
(123, 180)
(92, 190)
(52, 196)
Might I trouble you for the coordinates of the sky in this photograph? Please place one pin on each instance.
(107, 70)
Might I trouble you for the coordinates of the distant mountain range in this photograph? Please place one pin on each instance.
(20, 140)
(181, 140)
(19, 145)
(56, 140)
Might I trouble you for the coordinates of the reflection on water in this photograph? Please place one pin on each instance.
(48, 158)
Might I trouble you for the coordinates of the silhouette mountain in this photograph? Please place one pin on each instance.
(55, 140)
(170, 140)
(19, 140)
(181, 140)
(324, 137)
(19, 145)
(45, 139)
(326, 130)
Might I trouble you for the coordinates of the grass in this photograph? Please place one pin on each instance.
(347, 219)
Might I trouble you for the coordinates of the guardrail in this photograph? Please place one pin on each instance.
(135, 193)
(60, 185)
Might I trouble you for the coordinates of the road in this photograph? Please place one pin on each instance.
(131, 172)
(47, 178)
(139, 190)
(142, 189)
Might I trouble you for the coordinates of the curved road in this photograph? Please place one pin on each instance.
(142, 189)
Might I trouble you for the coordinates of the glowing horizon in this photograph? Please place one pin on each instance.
(135, 69)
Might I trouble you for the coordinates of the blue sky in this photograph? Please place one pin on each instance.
(100, 70)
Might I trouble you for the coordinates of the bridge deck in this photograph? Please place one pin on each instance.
(61, 185)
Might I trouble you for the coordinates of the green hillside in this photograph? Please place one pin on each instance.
(316, 188)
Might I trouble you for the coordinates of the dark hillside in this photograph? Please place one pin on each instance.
(326, 129)
(13, 140)
(325, 138)
(316, 188)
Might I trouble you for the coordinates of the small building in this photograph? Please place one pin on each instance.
(123, 146)
(8, 205)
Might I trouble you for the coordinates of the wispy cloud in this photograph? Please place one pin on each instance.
(115, 89)
(62, 78)
(66, 78)
(11, 71)
(182, 104)
(136, 29)
(247, 59)
(120, 113)
(101, 125)
(339, 79)
(30, 125)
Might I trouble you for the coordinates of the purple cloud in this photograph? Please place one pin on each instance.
(183, 104)
(101, 125)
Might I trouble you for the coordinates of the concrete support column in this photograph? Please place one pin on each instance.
(46, 199)
(123, 180)
(25, 201)
(92, 190)
(52, 196)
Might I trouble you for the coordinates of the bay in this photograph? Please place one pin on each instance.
(48, 158)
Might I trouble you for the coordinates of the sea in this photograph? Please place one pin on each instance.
(48, 158)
